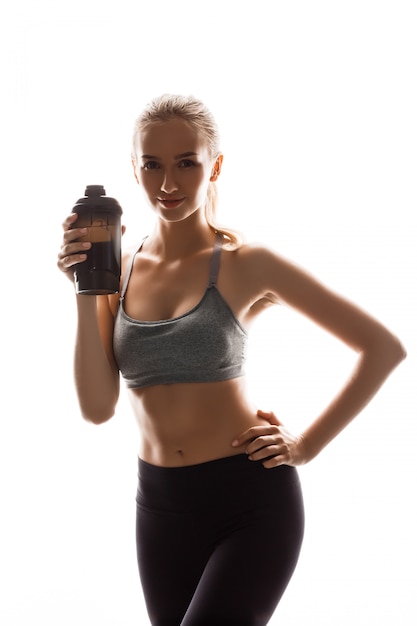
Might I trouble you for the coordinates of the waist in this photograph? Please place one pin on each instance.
(185, 424)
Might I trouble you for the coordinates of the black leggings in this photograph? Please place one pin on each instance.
(217, 542)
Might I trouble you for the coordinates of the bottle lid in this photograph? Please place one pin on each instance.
(94, 191)
(95, 198)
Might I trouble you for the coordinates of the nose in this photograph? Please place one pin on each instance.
(168, 183)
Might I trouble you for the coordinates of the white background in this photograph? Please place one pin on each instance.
(317, 106)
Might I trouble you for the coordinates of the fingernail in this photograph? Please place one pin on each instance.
(235, 443)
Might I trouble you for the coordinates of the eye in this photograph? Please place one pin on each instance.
(150, 165)
(186, 163)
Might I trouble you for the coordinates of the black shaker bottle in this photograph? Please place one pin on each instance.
(100, 273)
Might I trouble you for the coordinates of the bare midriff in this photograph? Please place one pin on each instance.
(189, 423)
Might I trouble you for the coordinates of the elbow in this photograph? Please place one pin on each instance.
(397, 351)
(390, 352)
(97, 419)
(97, 402)
(97, 415)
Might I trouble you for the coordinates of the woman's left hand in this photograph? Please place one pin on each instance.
(272, 444)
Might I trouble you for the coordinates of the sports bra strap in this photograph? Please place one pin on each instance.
(129, 270)
(215, 260)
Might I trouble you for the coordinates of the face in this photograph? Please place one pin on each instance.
(174, 168)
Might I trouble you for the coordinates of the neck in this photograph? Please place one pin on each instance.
(175, 240)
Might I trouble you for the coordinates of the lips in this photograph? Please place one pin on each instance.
(170, 203)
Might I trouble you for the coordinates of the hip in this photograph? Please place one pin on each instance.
(230, 483)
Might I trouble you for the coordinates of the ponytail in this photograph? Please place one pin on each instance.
(233, 237)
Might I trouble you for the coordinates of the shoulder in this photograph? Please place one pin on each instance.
(258, 256)
(253, 277)
(268, 275)
(262, 265)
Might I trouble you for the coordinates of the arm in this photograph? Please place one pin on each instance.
(95, 371)
(379, 352)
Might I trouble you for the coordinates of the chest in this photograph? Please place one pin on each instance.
(163, 291)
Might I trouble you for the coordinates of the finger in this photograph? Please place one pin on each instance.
(262, 442)
(253, 433)
(272, 456)
(270, 416)
(275, 461)
(71, 254)
(74, 247)
(243, 438)
(66, 262)
(69, 220)
(73, 234)
(266, 453)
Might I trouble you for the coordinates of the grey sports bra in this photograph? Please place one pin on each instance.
(206, 344)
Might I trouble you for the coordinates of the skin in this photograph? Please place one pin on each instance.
(188, 423)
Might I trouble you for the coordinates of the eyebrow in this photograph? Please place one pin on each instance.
(177, 156)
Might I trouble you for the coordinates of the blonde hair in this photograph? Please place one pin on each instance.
(198, 116)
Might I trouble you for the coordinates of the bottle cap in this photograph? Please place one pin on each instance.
(94, 190)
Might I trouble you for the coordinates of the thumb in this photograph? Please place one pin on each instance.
(270, 416)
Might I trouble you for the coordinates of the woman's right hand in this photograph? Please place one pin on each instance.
(72, 250)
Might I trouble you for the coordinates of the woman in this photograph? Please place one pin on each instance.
(216, 475)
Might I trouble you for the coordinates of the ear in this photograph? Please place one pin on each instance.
(134, 171)
(217, 167)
